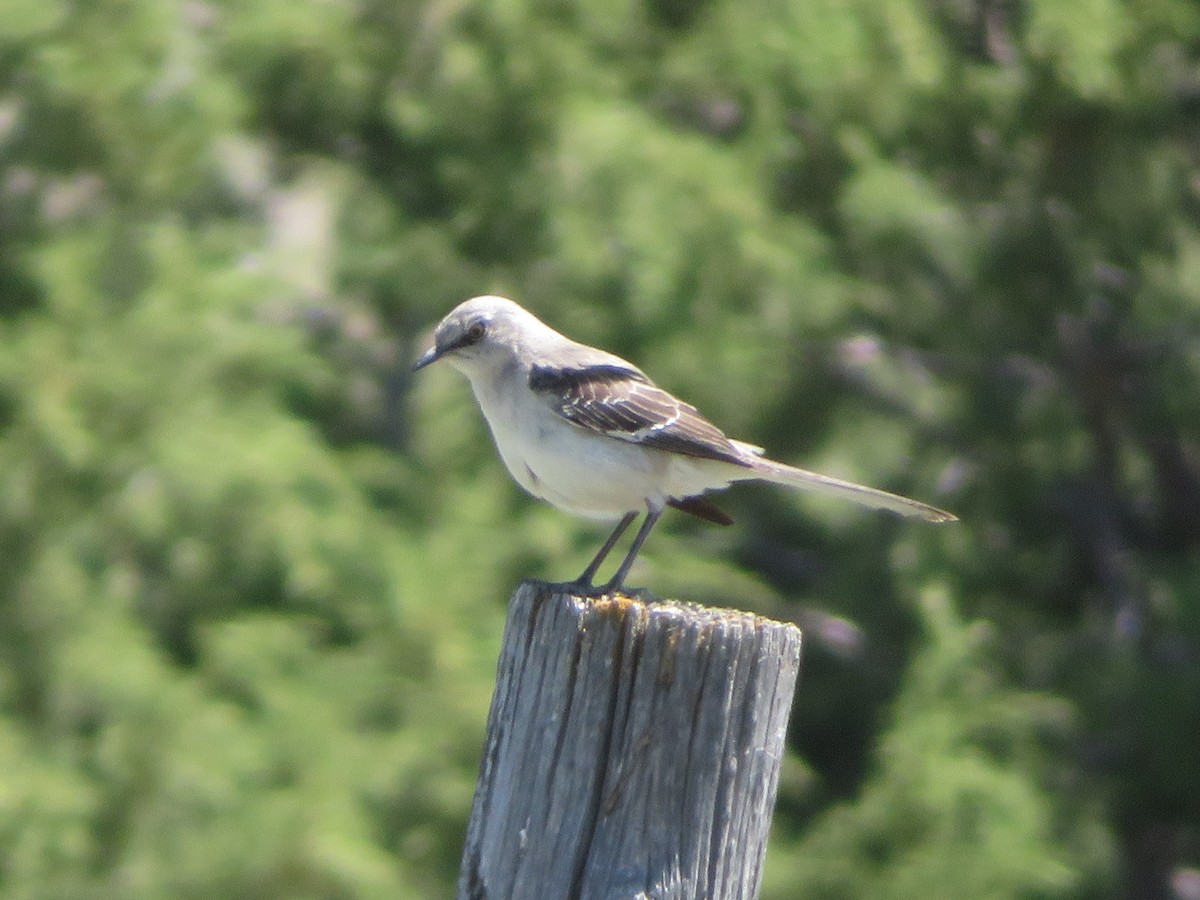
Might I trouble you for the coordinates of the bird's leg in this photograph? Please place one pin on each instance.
(584, 581)
(618, 580)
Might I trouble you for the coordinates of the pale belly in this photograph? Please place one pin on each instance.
(582, 473)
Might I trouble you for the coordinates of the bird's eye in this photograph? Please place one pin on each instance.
(475, 333)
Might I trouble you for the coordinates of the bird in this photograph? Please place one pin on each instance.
(591, 434)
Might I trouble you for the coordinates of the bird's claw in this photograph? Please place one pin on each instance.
(580, 588)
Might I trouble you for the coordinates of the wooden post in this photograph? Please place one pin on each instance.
(633, 751)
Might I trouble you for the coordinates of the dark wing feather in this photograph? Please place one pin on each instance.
(702, 508)
(623, 403)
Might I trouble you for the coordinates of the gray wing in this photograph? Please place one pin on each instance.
(623, 403)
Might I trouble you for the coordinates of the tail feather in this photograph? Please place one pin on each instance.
(861, 494)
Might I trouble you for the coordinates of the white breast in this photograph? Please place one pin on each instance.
(581, 473)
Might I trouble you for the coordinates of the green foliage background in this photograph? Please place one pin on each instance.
(252, 575)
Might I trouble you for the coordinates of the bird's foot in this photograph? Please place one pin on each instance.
(620, 590)
(581, 588)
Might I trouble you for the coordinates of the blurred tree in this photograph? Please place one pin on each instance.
(953, 807)
(252, 576)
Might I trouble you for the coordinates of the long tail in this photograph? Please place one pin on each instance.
(769, 470)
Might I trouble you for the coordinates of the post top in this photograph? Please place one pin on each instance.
(622, 606)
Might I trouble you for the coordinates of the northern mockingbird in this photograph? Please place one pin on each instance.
(590, 433)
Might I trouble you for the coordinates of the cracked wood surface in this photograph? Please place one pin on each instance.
(633, 751)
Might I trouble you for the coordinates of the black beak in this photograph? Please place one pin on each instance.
(432, 355)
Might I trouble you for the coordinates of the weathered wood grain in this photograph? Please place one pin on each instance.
(633, 751)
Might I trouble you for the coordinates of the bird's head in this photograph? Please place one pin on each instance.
(478, 333)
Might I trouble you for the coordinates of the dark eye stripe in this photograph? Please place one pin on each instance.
(468, 338)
